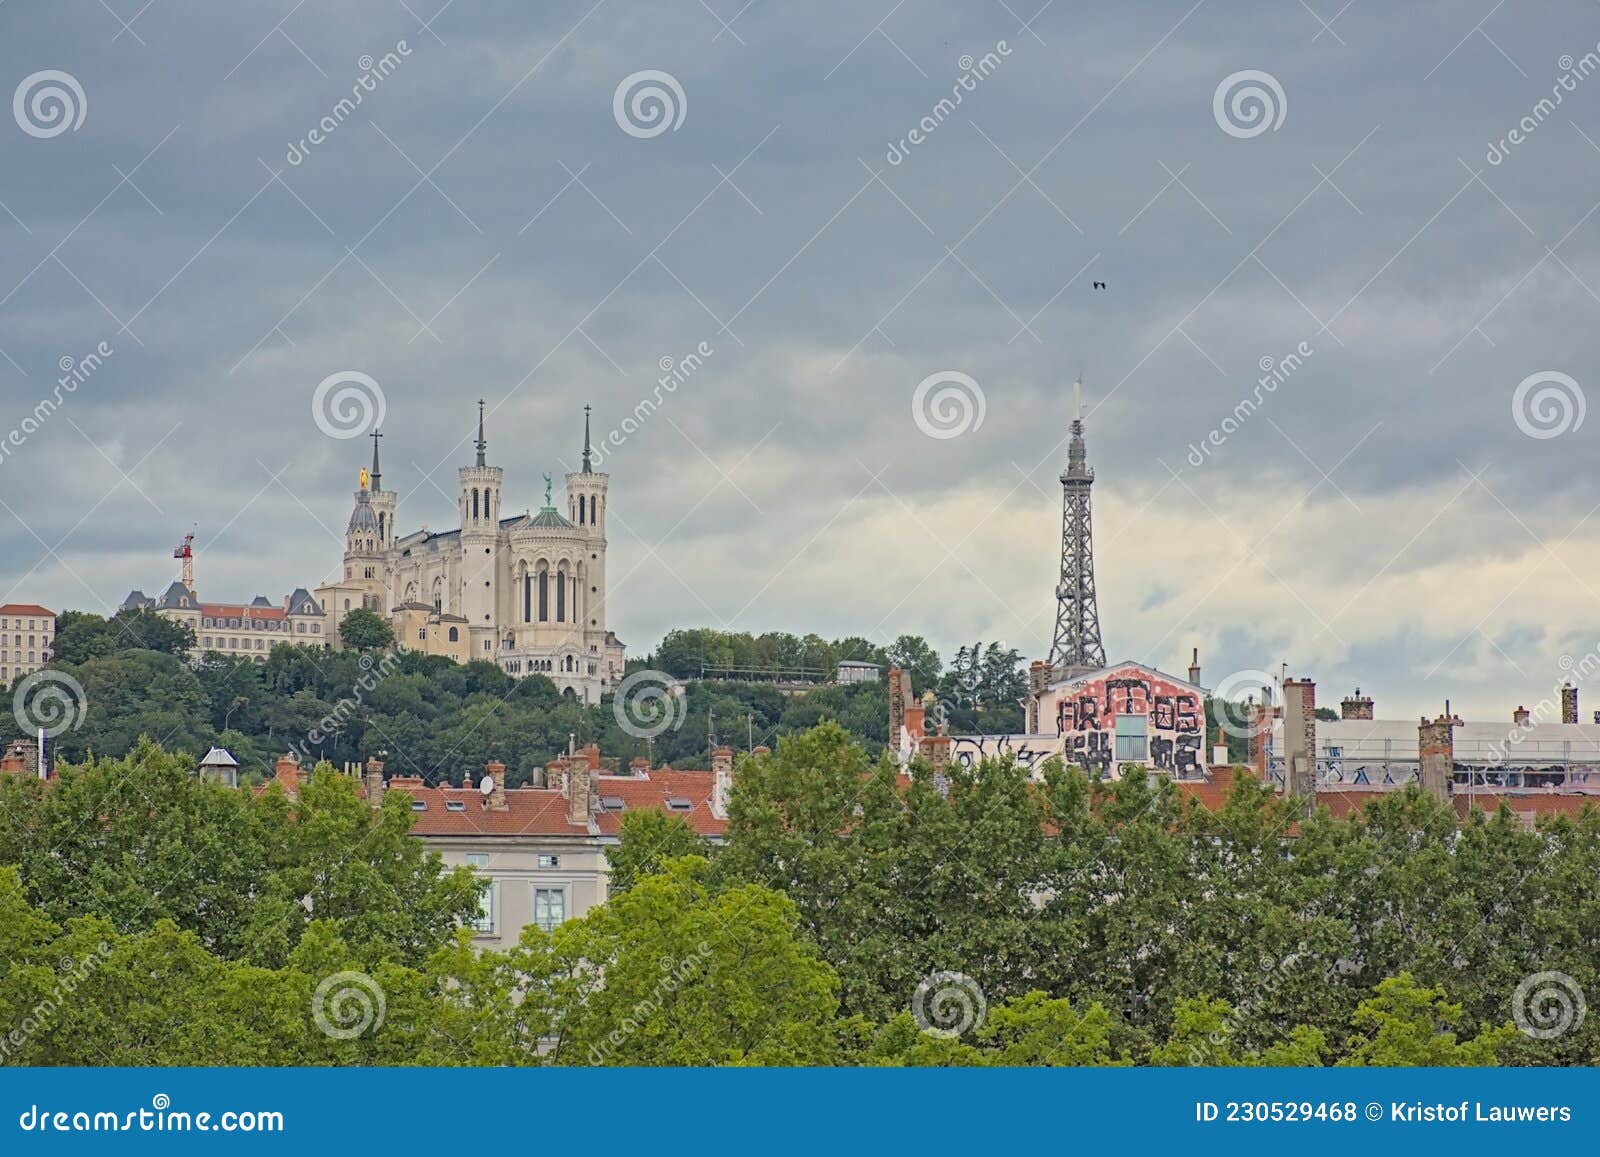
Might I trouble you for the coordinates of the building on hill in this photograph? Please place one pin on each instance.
(27, 633)
(244, 630)
(527, 592)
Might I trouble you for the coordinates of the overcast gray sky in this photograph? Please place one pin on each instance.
(484, 224)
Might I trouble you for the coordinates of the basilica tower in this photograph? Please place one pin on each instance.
(586, 509)
(479, 503)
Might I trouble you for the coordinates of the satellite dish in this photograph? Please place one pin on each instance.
(486, 785)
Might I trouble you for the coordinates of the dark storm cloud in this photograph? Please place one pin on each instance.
(550, 259)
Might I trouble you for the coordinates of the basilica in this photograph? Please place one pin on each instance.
(526, 592)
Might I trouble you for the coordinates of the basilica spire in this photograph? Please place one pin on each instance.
(587, 468)
(377, 474)
(482, 445)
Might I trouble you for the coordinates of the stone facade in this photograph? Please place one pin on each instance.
(27, 633)
(526, 592)
(241, 630)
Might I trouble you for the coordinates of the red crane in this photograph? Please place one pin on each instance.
(185, 551)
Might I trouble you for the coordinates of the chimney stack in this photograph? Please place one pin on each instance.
(721, 781)
(1194, 667)
(1569, 703)
(1300, 738)
(899, 697)
(639, 766)
(1038, 680)
(496, 799)
(287, 773)
(373, 778)
(1520, 716)
(575, 784)
(21, 757)
(1436, 745)
(1357, 706)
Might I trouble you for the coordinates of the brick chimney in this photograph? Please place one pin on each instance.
(937, 749)
(899, 695)
(1038, 680)
(591, 754)
(1300, 738)
(761, 749)
(1194, 667)
(639, 765)
(21, 757)
(1521, 717)
(1357, 706)
(721, 781)
(287, 773)
(575, 786)
(1436, 746)
(372, 777)
(496, 800)
(1569, 703)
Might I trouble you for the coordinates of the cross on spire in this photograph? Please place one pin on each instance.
(587, 469)
(482, 445)
(377, 475)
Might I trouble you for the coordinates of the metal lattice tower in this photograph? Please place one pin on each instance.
(1077, 645)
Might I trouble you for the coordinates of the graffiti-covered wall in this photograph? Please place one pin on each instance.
(1128, 714)
(1124, 714)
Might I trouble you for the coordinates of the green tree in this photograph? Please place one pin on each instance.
(1407, 1023)
(366, 630)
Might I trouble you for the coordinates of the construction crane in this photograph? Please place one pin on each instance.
(184, 551)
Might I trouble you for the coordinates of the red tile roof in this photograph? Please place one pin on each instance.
(228, 611)
(26, 609)
(540, 811)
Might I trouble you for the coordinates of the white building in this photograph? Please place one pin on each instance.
(528, 591)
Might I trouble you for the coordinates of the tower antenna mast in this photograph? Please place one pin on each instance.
(1076, 647)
